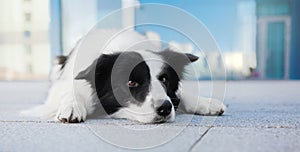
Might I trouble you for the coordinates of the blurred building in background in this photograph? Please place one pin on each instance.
(277, 26)
(257, 38)
(24, 42)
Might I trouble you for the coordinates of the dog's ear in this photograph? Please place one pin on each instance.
(88, 73)
(178, 58)
(100, 66)
(191, 57)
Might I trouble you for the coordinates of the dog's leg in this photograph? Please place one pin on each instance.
(191, 103)
(69, 109)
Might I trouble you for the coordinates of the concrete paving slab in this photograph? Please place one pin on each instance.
(163, 137)
(19, 92)
(262, 91)
(16, 96)
(41, 136)
(49, 137)
(263, 113)
(232, 139)
(11, 112)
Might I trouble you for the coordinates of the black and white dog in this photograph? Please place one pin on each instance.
(138, 85)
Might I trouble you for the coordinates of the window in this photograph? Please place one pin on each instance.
(27, 17)
(27, 34)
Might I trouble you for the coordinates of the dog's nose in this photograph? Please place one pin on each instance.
(165, 109)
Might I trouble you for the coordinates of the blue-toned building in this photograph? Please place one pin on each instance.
(277, 33)
(269, 28)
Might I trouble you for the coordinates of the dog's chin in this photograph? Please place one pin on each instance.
(160, 119)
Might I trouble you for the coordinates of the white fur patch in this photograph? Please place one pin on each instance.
(144, 113)
(155, 64)
(200, 105)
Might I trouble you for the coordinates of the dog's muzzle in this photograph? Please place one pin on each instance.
(164, 112)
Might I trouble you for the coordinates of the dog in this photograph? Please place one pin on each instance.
(139, 85)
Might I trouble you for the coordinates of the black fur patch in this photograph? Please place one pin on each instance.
(112, 88)
(170, 84)
(173, 71)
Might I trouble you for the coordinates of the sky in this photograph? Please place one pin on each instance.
(219, 16)
(222, 18)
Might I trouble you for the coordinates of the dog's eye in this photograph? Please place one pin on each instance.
(163, 79)
(132, 84)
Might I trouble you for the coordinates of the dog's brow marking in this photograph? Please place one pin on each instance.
(199, 139)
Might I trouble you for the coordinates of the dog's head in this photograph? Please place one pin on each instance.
(141, 86)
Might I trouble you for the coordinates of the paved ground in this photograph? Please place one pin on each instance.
(262, 116)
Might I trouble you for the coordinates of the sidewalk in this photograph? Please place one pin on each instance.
(262, 116)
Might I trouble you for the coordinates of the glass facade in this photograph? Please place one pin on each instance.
(273, 7)
(275, 60)
(258, 38)
(274, 35)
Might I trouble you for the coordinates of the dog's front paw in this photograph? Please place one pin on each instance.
(211, 107)
(216, 108)
(71, 113)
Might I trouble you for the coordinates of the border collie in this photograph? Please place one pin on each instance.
(143, 86)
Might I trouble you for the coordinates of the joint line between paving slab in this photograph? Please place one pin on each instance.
(199, 139)
(26, 121)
